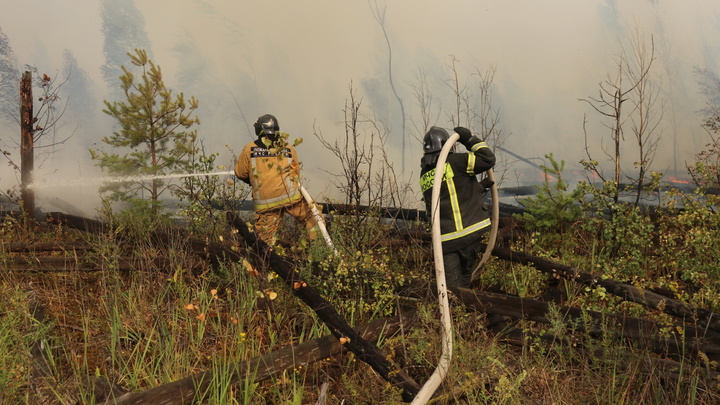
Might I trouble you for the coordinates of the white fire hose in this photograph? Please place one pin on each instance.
(428, 389)
(319, 218)
(494, 223)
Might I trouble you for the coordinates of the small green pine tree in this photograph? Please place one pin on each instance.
(553, 207)
(155, 131)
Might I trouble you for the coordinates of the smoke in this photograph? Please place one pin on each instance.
(297, 60)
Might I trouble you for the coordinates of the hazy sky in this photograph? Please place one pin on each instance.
(297, 60)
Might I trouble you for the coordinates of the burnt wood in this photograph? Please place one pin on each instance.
(700, 317)
(58, 264)
(364, 350)
(44, 247)
(257, 369)
(211, 251)
(673, 340)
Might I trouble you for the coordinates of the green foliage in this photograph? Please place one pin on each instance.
(204, 199)
(706, 170)
(520, 280)
(554, 207)
(16, 339)
(690, 248)
(361, 285)
(623, 241)
(155, 131)
(138, 220)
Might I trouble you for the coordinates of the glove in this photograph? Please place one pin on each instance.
(464, 133)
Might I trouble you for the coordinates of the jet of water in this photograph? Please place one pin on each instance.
(119, 179)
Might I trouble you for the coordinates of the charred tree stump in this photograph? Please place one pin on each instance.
(700, 317)
(27, 152)
(184, 391)
(364, 350)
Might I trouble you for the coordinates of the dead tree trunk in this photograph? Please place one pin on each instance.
(364, 350)
(184, 391)
(27, 153)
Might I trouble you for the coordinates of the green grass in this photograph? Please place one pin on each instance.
(148, 327)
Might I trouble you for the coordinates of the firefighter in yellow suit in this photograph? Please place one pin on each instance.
(270, 165)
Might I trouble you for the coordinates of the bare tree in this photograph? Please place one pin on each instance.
(367, 177)
(628, 98)
(463, 112)
(486, 119)
(706, 169)
(379, 15)
(425, 100)
(38, 130)
(474, 106)
(47, 114)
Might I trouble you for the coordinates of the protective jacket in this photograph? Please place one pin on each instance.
(273, 172)
(463, 216)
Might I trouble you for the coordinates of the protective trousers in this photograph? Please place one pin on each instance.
(459, 266)
(267, 222)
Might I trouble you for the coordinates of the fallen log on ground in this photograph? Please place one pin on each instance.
(58, 264)
(76, 222)
(667, 369)
(45, 247)
(364, 350)
(188, 389)
(680, 340)
(211, 251)
(700, 317)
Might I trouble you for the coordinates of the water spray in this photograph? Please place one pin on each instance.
(121, 179)
(140, 178)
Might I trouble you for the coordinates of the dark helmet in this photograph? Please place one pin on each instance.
(266, 125)
(434, 140)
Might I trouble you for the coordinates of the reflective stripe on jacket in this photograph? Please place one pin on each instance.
(273, 173)
(463, 216)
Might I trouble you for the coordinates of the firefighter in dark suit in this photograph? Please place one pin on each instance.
(463, 216)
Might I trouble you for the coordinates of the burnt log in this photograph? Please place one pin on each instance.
(59, 264)
(674, 340)
(44, 247)
(215, 253)
(700, 317)
(649, 364)
(76, 222)
(364, 350)
(258, 369)
(212, 251)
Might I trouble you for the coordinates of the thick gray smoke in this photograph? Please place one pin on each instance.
(298, 61)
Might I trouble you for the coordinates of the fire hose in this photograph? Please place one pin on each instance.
(428, 389)
(431, 385)
(319, 218)
(494, 222)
